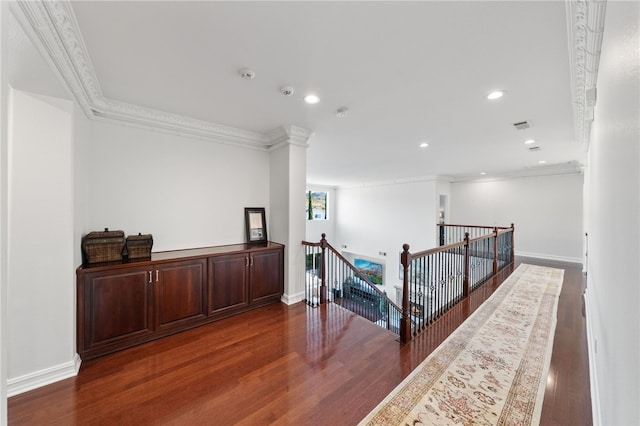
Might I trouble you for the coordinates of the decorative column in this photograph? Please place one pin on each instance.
(287, 187)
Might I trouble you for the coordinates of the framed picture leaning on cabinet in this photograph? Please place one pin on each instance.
(255, 224)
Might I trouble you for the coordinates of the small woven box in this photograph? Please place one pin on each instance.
(139, 246)
(103, 246)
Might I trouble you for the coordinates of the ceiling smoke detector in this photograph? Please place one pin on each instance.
(287, 90)
(246, 73)
(342, 112)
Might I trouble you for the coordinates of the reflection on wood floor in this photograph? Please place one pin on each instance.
(286, 365)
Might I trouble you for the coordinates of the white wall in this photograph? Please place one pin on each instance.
(186, 192)
(41, 266)
(315, 228)
(40, 246)
(81, 144)
(546, 211)
(613, 212)
(381, 219)
(4, 174)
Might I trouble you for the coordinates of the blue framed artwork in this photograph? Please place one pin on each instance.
(372, 270)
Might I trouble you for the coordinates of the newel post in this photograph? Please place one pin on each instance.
(323, 272)
(465, 282)
(405, 322)
(513, 234)
(495, 250)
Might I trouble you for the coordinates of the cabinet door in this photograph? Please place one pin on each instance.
(228, 283)
(117, 306)
(266, 283)
(179, 293)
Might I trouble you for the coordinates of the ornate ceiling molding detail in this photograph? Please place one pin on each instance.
(585, 26)
(49, 20)
(55, 24)
(289, 135)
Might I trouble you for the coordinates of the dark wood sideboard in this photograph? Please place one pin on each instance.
(127, 303)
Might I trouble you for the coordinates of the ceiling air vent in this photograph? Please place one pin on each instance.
(522, 125)
(535, 148)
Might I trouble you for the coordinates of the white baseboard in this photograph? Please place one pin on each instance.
(593, 375)
(293, 298)
(44, 377)
(553, 257)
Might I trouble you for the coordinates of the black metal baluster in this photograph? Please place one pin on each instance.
(306, 274)
(413, 293)
(439, 285)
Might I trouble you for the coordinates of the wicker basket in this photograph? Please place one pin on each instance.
(104, 246)
(139, 246)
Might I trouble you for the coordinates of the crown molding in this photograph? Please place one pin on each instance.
(392, 182)
(568, 168)
(289, 135)
(123, 111)
(56, 29)
(585, 26)
(55, 24)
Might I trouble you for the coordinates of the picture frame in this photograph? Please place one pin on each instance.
(255, 225)
(372, 270)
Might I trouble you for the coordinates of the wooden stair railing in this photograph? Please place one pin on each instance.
(433, 280)
(330, 277)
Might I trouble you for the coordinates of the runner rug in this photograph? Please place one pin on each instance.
(492, 370)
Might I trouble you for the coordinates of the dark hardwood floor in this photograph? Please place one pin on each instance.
(287, 365)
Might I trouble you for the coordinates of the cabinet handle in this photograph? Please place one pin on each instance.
(247, 259)
(252, 261)
(157, 277)
(149, 277)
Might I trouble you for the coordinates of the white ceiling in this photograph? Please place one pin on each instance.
(408, 72)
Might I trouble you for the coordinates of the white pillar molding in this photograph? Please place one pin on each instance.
(288, 173)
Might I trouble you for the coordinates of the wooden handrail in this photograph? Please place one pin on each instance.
(437, 249)
(482, 237)
(307, 243)
(473, 226)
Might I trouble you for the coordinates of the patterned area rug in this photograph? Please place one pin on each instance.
(492, 370)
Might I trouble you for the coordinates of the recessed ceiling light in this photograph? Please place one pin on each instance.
(311, 99)
(542, 162)
(529, 141)
(424, 145)
(495, 95)
(483, 173)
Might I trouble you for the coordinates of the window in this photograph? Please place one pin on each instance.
(316, 205)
